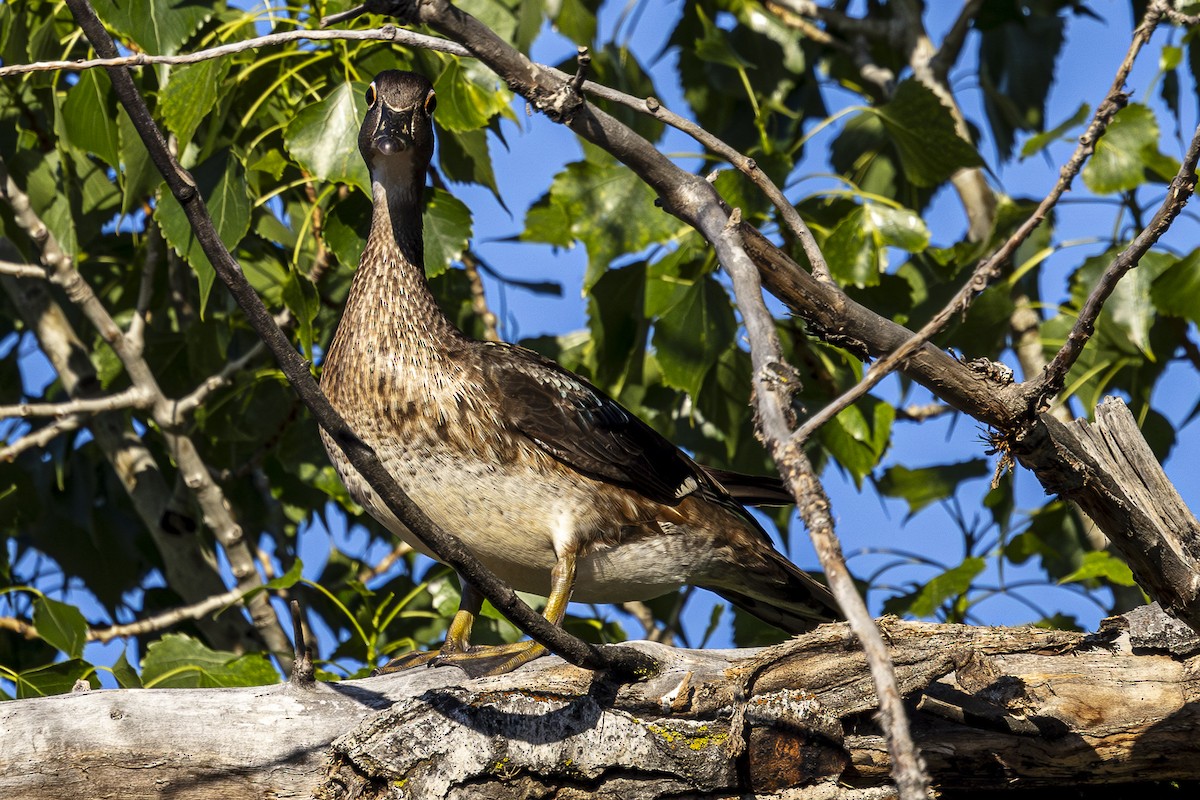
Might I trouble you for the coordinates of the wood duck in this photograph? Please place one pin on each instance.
(546, 479)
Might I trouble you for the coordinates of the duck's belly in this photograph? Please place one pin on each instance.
(518, 523)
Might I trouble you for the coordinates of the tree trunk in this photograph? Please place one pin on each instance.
(996, 708)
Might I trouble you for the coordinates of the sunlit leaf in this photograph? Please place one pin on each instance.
(930, 597)
(323, 137)
(1176, 291)
(447, 224)
(179, 661)
(191, 95)
(923, 131)
(603, 204)
(1100, 564)
(61, 625)
(468, 97)
(925, 485)
(1126, 152)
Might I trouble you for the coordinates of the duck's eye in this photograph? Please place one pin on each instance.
(371, 95)
(430, 102)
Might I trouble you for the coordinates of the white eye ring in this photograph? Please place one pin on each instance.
(371, 94)
(430, 102)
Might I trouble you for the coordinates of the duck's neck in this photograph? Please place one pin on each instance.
(390, 294)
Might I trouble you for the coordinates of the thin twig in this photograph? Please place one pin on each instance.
(388, 33)
(42, 436)
(133, 397)
(1050, 383)
(167, 619)
(155, 244)
(21, 270)
(774, 384)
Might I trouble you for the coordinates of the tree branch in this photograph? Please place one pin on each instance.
(1042, 389)
(774, 384)
(42, 436)
(388, 33)
(21, 270)
(133, 397)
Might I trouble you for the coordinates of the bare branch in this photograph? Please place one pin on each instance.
(154, 252)
(133, 397)
(21, 270)
(187, 405)
(988, 269)
(42, 436)
(952, 42)
(774, 384)
(388, 33)
(167, 619)
(1050, 383)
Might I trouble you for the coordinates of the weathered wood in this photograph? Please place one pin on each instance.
(1109, 470)
(999, 708)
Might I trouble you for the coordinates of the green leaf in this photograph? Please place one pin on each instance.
(323, 137)
(923, 132)
(89, 117)
(896, 227)
(468, 96)
(853, 257)
(920, 487)
(1129, 312)
(222, 183)
(447, 225)
(159, 26)
(465, 158)
(858, 437)
(693, 333)
(714, 46)
(576, 20)
(57, 678)
(60, 625)
(191, 95)
(1101, 565)
(1176, 291)
(180, 661)
(950, 584)
(1126, 152)
(603, 204)
(300, 296)
(1038, 142)
(139, 176)
(126, 675)
(288, 579)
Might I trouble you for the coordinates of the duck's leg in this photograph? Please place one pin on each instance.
(458, 635)
(458, 650)
(562, 584)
